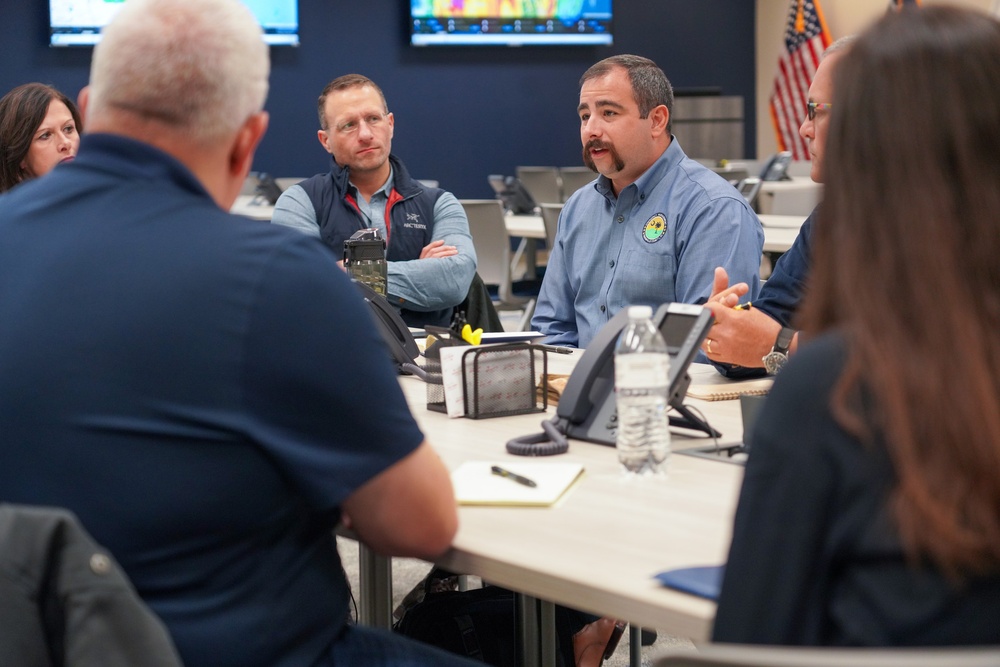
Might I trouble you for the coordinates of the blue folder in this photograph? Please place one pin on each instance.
(704, 581)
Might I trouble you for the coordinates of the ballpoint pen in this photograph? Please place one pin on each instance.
(555, 348)
(513, 476)
(742, 306)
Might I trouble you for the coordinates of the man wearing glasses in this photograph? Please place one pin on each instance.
(431, 259)
(760, 338)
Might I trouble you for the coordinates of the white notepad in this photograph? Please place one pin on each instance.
(475, 483)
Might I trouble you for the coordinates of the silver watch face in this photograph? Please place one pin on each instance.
(774, 361)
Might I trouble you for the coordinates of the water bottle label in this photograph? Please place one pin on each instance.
(641, 371)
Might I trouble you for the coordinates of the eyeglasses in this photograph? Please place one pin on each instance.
(352, 126)
(811, 108)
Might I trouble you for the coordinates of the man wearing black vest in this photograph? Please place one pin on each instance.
(430, 253)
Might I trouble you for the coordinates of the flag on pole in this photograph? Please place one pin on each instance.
(806, 37)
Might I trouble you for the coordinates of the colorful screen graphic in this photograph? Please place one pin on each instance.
(510, 22)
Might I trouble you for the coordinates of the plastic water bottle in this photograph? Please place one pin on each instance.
(641, 376)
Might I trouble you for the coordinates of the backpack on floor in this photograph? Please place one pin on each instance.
(479, 623)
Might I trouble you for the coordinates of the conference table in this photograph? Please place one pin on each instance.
(598, 548)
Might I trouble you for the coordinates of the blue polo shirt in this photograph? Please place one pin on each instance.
(202, 390)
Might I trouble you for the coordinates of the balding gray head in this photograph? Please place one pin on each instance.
(196, 66)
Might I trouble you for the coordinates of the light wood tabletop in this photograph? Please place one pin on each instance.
(599, 547)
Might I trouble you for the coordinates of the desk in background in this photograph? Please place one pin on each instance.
(529, 228)
(780, 231)
(253, 206)
(797, 196)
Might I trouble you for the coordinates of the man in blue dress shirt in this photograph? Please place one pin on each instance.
(653, 226)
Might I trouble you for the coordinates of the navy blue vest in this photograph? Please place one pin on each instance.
(409, 220)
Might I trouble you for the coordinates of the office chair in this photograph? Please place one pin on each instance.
(550, 216)
(62, 595)
(574, 178)
(739, 655)
(749, 187)
(542, 183)
(492, 244)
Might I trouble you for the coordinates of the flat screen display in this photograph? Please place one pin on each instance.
(510, 22)
(79, 22)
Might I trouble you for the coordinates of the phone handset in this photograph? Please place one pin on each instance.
(588, 386)
(594, 373)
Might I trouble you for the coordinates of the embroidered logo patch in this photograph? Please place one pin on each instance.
(655, 228)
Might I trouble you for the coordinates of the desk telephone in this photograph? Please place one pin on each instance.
(776, 168)
(586, 408)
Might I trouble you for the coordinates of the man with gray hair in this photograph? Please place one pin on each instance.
(156, 377)
(654, 224)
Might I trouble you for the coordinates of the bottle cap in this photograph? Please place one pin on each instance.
(640, 312)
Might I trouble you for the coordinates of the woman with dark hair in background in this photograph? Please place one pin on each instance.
(870, 509)
(39, 128)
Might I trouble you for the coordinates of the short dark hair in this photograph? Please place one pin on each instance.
(343, 83)
(22, 110)
(650, 86)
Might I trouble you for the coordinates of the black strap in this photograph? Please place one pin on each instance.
(470, 642)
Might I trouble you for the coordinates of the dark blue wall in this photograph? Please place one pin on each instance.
(461, 112)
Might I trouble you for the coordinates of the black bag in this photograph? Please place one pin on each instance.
(479, 624)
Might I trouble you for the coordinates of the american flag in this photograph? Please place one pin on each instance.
(806, 37)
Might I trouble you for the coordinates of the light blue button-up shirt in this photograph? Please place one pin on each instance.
(659, 241)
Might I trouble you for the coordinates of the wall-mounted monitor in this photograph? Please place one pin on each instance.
(510, 22)
(79, 22)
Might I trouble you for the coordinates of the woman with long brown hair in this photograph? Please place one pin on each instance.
(39, 128)
(870, 510)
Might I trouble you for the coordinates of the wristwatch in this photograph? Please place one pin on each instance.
(776, 358)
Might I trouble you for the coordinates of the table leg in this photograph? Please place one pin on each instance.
(527, 623)
(375, 598)
(547, 627)
(634, 645)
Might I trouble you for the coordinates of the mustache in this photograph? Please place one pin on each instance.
(596, 144)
